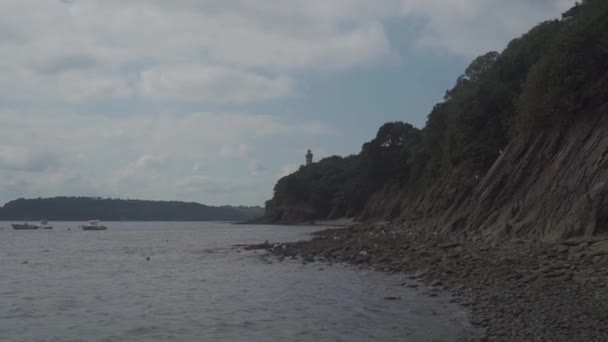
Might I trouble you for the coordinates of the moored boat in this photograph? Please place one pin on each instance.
(28, 226)
(93, 225)
(24, 226)
(44, 224)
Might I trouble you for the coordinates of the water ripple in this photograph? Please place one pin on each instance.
(197, 287)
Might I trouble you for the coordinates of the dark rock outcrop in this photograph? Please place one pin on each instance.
(552, 186)
(286, 213)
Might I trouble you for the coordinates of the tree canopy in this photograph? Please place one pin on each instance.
(543, 79)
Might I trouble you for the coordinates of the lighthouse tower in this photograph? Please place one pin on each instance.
(308, 158)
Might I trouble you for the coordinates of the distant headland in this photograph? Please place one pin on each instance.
(108, 209)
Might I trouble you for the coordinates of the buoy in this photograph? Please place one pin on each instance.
(148, 258)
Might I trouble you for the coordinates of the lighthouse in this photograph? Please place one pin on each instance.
(308, 158)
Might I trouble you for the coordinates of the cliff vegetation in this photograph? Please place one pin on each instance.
(517, 146)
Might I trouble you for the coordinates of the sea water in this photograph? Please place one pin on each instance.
(187, 282)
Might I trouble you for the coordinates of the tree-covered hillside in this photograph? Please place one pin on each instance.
(548, 77)
(86, 208)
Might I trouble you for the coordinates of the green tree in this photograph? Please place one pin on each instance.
(572, 76)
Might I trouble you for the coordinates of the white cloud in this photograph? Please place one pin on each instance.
(21, 158)
(234, 151)
(146, 166)
(204, 184)
(218, 51)
(205, 51)
(193, 183)
(469, 28)
(211, 84)
(73, 86)
(137, 156)
(255, 168)
(329, 49)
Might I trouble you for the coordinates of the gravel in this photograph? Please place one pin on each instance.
(514, 290)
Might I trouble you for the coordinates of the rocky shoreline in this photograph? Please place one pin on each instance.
(514, 290)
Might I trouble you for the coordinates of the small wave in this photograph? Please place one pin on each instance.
(144, 330)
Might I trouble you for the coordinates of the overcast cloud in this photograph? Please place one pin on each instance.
(189, 99)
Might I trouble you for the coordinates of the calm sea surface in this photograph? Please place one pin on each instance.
(72, 285)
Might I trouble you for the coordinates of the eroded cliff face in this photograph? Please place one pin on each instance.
(385, 204)
(392, 202)
(551, 186)
(284, 212)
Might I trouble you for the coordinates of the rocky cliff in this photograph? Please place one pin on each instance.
(550, 186)
(517, 148)
(288, 213)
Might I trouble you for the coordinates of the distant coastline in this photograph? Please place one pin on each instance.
(107, 209)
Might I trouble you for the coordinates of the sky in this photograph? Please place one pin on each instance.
(214, 100)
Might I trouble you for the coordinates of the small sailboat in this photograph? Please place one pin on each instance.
(93, 225)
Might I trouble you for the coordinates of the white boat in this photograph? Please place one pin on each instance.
(93, 225)
(44, 224)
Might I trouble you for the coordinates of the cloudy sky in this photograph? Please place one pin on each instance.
(213, 100)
